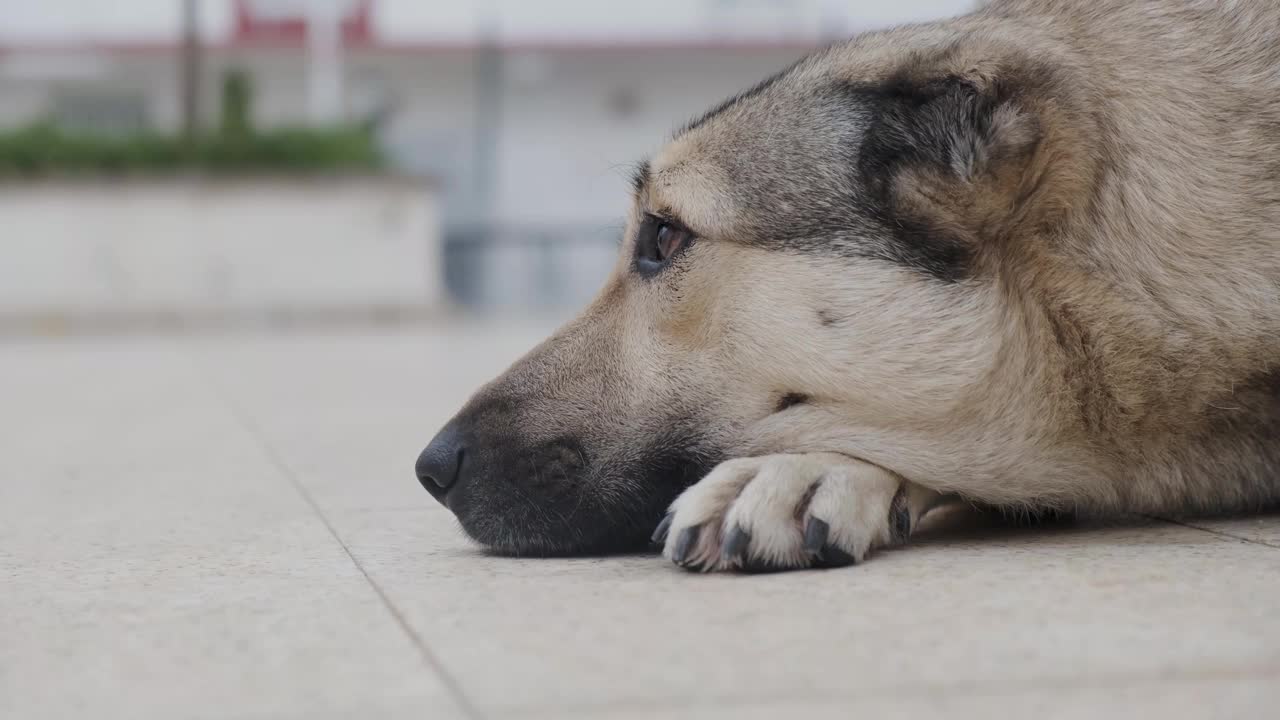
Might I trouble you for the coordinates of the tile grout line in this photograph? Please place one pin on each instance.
(1211, 531)
(454, 688)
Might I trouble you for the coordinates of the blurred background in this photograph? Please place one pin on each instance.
(187, 162)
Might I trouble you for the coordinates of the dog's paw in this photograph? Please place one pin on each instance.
(783, 512)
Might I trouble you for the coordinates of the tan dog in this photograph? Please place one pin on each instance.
(1029, 257)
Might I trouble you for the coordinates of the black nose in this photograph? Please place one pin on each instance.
(440, 465)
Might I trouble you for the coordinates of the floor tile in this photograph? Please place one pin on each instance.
(1263, 529)
(155, 564)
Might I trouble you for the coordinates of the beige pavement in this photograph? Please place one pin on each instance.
(228, 526)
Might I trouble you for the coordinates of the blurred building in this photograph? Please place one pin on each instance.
(529, 113)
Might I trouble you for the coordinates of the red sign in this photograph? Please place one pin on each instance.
(285, 21)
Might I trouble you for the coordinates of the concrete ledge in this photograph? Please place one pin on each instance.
(189, 249)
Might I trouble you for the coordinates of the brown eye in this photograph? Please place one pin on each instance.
(659, 241)
(670, 240)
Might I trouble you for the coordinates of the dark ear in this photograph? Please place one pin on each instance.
(962, 125)
(949, 160)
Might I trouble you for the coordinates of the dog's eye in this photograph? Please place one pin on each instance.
(659, 241)
(670, 240)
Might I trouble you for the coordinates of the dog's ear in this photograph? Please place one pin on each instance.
(964, 126)
(954, 156)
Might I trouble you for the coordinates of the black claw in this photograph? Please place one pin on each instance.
(832, 556)
(684, 543)
(735, 545)
(761, 567)
(664, 527)
(900, 517)
(901, 525)
(815, 535)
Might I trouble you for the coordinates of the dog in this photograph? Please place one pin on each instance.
(1028, 258)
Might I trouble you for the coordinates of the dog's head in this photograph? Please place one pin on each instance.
(813, 263)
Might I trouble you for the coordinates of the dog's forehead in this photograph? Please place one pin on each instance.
(773, 151)
(686, 181)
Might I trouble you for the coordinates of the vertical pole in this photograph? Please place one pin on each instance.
(189, 78)
(488, 118)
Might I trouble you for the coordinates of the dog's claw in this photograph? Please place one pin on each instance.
(815, 535)
(664, 527)
(763, 567)
(900, 517)
(684, 543)
(735, 545)
(832, 556)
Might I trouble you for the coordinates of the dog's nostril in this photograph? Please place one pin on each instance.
(439, 464)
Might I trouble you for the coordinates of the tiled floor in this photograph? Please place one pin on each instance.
(229, 527)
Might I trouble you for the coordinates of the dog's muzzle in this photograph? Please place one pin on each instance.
(531, 473)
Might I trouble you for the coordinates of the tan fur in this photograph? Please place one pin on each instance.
(1163, 290)
(1116, 345)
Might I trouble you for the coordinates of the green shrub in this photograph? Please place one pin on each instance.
(236, 147)
(43, 150)
(237, 103)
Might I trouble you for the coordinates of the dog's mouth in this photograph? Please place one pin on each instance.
(507, 520)
(557, 498)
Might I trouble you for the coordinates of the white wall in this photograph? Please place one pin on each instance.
(566, 154)
(24, 21)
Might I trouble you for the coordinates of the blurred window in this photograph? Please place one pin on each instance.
(100, 111)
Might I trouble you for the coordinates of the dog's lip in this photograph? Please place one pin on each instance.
(515, 527)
